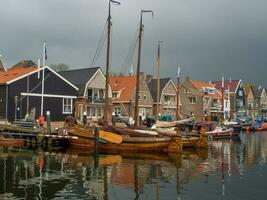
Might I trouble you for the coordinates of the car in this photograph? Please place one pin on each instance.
(244, 119)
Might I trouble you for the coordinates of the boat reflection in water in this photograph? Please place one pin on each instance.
(79, 174)
(219, 172)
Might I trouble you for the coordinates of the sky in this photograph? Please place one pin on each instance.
(205, 38)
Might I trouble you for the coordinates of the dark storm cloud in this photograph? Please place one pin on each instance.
(207, 37)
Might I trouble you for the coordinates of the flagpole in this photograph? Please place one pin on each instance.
(42, 96)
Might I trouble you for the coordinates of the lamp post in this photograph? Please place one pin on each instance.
(16, 98)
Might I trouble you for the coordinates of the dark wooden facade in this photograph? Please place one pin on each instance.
(2, 101)
(55, 90)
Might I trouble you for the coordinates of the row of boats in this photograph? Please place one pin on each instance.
(162, 136)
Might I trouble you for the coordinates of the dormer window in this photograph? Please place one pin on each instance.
(115, 95)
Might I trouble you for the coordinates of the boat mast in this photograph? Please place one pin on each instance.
(141, 28)
(158, 79)
(178, 93)
(223, 96)
(106, 108)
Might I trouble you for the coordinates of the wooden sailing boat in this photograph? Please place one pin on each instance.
(170, 128)
(122, 140)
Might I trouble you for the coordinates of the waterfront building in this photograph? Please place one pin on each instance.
(250, 100)
(123, 95)
(201, 99)
(260, 100)
(91, 95)
(237, 95)
(21, 90)
(167, 95)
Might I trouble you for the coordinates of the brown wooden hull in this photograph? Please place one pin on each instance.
(129, 146)
(11, 142)
(85, 140)
(195, 142)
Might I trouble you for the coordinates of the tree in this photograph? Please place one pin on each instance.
(60, 67)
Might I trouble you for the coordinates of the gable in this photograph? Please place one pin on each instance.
(97, 81)
(169, 88)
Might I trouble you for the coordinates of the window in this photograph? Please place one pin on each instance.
(101, 93)
(186, 91)
(239, 103)
(240, 93)
(117, 110)
(95, 94)
(144, 96)
(215, 103)
(114, 95)
(206, 100)
(192, 100)
(90, 95)
(67, 106)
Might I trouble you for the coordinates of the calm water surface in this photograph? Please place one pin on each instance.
(227, 170)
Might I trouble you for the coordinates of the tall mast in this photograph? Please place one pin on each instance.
(136, 113)
(178, 93)
(223, 96)
(158, 79)
(106, 108)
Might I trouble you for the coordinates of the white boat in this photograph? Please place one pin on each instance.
(163, 124)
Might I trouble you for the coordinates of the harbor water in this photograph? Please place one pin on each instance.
(229, 169)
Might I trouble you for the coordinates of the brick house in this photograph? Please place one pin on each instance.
(250, 100)
(260, 99)
(123, 96)
(201, 99)
(167, 91)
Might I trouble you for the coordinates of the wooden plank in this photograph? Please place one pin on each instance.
(110, 137)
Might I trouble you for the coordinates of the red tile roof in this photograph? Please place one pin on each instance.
(200, 85)
(125, 85)
(13, 73)
(233, 84)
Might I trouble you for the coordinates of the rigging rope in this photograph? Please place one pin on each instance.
(100, 44)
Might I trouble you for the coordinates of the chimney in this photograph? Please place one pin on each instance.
(131, 71)
(188, 78)
(149, 78)
(2, 67)
(142, 75)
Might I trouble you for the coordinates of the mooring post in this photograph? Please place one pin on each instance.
(96, 152)
(96, 131)
(48, 121)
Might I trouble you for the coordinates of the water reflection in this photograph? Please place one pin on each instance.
(217, 173)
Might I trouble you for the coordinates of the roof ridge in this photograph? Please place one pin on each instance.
(80, 69)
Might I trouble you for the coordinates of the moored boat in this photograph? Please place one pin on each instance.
(220, 133)
(163, 124)
(108, 141)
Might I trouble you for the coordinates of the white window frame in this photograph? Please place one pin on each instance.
(191, 102)
(117, 110)
(63, 105)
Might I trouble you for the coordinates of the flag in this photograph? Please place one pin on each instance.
(45, 52)
(115, 2)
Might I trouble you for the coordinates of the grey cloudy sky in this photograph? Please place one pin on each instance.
(206, 37)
